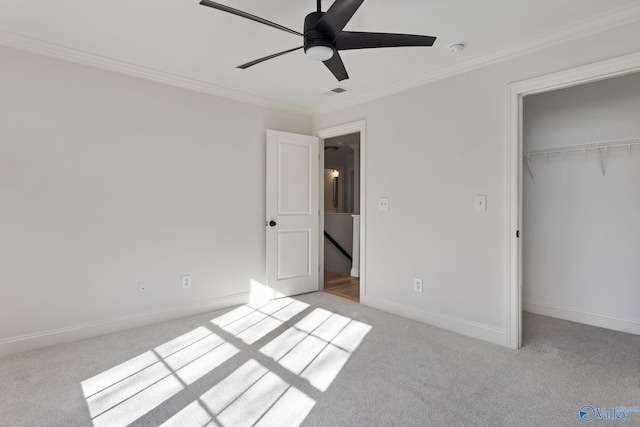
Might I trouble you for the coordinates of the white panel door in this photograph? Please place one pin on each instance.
(292, 213)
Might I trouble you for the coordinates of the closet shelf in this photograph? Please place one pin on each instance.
(602, 148)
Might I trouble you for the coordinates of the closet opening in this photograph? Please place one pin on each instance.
(580, 203)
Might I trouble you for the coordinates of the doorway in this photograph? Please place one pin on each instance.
(342, 211)
(517, 91)
(580, 202)
(341, 215)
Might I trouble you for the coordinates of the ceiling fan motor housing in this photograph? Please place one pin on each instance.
(313, 37)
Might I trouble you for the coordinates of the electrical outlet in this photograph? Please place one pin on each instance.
(417, 285)
(186, 281)
(383, 203)
(143, 287)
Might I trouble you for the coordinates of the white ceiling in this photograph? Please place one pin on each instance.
(182, 38)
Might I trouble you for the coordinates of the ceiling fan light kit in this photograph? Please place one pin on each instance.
(319, 53)
(324, 36)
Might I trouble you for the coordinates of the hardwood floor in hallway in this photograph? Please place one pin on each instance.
(341, 285)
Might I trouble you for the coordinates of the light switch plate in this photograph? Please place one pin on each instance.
(186, 281)
(383, 203)
(480, 203)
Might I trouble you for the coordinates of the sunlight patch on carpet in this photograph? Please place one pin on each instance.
(260, 391)
(252, 322)
(318, 346)
(130, 390)
(251, 395)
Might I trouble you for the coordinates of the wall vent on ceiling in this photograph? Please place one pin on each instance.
(335, 91)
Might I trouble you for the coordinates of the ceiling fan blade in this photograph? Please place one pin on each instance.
(336, 66)
(334, 20)
(357, 40)
(257, 61)
(248, 16)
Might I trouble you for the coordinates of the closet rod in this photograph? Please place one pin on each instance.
(602, 147)
(583, 147)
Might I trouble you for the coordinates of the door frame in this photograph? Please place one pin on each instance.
(347, 128)
(516, 92)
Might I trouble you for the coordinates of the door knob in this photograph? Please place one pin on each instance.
(272, 223)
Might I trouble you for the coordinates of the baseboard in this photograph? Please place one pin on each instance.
(464, 327)
(82, 331)
(581, 316)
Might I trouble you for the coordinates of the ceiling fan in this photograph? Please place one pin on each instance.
(323, 35)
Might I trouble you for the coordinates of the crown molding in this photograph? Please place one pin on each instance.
(28, 44)
(590, 26)
(600, 23)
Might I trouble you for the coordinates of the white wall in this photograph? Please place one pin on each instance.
(431, 149)
(581, 234)
(106, 181)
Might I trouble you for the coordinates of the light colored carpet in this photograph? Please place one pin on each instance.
(319, 360)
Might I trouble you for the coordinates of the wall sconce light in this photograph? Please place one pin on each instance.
(335, 173)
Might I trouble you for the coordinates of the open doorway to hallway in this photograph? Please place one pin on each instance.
(342, 215)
